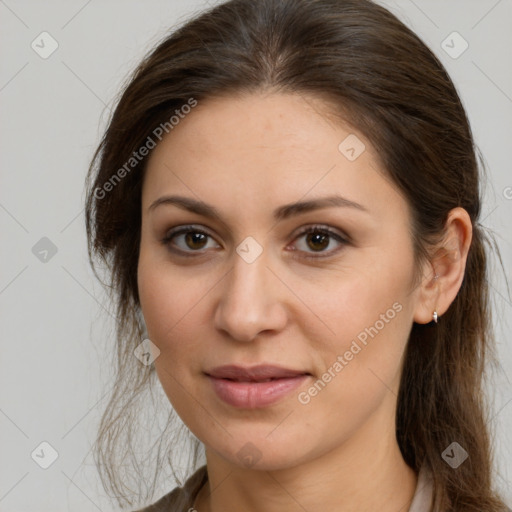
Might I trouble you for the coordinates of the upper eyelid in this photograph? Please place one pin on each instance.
(296, 232)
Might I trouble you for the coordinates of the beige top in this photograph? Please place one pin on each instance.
(181, 499)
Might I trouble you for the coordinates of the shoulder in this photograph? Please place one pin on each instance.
(180, 498)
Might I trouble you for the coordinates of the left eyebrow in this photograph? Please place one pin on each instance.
(281, 213)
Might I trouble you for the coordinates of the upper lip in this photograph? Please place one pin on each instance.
(253, 373)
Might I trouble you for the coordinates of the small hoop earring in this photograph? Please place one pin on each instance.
(434, 316)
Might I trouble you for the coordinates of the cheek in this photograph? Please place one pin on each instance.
(166, 297)
(367, 301)
(170, 306)
(360, 369)
(174, 303)
(370, 312)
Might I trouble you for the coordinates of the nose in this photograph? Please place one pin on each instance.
(251, 302)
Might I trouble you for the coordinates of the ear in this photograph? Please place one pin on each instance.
(443, 275)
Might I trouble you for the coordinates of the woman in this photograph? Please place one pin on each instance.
(287, 199)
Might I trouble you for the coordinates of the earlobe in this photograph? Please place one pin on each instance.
(435, 316)
(449, 265)
(427, 309)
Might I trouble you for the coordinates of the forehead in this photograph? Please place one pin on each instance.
(264, 148)
(252, 122)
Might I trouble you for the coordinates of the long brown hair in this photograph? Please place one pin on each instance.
(391, 87)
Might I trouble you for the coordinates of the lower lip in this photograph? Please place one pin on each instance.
(252, 395)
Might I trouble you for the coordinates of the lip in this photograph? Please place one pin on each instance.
(250, 387)
(253, 373)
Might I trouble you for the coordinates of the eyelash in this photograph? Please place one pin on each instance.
(310, 229)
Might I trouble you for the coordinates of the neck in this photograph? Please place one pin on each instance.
(366, 473)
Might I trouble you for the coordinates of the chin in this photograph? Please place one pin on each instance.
(256, 449)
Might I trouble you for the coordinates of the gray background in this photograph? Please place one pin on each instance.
(54, 372)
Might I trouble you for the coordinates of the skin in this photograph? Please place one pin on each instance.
(246, 156)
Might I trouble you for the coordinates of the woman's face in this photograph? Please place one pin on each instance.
(248, 287)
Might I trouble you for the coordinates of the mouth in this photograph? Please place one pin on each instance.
(261, 373)
(254, 387)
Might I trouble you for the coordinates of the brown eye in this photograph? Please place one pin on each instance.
(187, 239)
(195, 240)
(317, 239)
